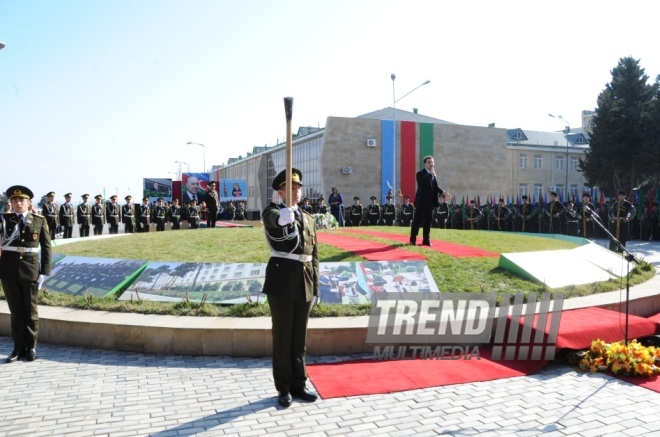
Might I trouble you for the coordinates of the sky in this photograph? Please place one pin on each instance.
(96, 95)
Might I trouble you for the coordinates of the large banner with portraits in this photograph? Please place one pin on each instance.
(194, 186)
(153, 188)
(233, 190)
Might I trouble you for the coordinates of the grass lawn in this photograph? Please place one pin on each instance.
(247, 245)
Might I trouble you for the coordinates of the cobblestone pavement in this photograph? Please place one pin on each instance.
(75, 391)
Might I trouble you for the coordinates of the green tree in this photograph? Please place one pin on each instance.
(652, 139)
(615, 159)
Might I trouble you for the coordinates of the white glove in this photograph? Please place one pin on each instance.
(40, 281)
(286, 216)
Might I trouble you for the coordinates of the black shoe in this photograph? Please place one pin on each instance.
(284, 399)
(426, 243)
(412, 243)
(304, 394)
(31, 354)
(15, 356)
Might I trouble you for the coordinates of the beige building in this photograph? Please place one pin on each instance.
(355, 153)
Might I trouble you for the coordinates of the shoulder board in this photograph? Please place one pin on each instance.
(37, 215)
(308, 213)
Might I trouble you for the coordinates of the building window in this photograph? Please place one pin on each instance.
(574, 191)
(559, 163)
(522, 189)
(523, 161)
(238, 274)
(538, 161)
(538, 190)
(574, 163)
(223, 276)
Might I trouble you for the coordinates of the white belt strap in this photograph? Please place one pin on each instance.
(21, 249)
(302, 258)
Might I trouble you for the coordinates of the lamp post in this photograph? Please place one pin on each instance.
(394, 100)
(567, 130)
(180, 162)
(203, 149)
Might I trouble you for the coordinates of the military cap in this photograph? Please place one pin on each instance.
(472, 201)
(160, 199)
(356, 198)
(553, 193)
(306, 199)
(114, 196)
(280, 179)
(570, 201)
(50, 193)
(320, 198)
(388, 197)
(406, 197)
(525, 197)
(501, 200)
(622, 192)
(68, 195)
(19, 191)
(212, 183)
(372, 198)
(193, 201)
(85, 196)
(145, 198)
(587, 195)
(129, 197)
(98, 196)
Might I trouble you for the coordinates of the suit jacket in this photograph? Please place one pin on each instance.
(112, 213)
(428, 190)
(15, 266)
(287, 278)
(84, 213)
(212, 200)
(187, 199)
(67, 215)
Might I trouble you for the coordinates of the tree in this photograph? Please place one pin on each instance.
(617, 140)
(652, 139)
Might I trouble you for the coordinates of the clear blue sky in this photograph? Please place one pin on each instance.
(98, 94)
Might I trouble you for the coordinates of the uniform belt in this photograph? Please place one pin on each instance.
(145, 215)
(51, 215)
(114, 215)
(302, 258)
(66, 215)
(177, 215)
(20, 249)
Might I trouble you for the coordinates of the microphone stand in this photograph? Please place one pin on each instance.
(626, 255)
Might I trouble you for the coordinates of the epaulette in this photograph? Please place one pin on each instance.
(37, 215)
(308, 213)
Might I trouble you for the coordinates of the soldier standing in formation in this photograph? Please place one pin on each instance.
(373, 212)
(473, 216)
(67, 216)
(50, 211)
(22, 270)
(193, 215)
(586, 217)
(356, 212)
(212, 203)
(306, 206)
(128, 215)
(553, 211)
(159, 214)
(145, 215)
(84, 214)
(98, 215)
(571, 218)
(175, 215)
(112, 212)
(501, 214)
(441, 213)
(231, 211)
(321, 208)
(620, 214)
(525, 216)
(407, 212)
(389, 211)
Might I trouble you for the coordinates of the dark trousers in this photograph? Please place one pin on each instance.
(423, 217)
(114, 228)
(84, 230)
(22, 301)
(289, 335)
(175, 223)
(621, 233)
(52, 227)
(129, 228)
(160, 224)
(68, 231)
(98, 228)
(212, 217)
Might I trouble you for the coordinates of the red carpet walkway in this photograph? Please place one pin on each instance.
(370, 250)
(453, 249)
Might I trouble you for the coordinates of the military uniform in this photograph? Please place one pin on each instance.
(306, 206)
(67, 216)
(292, 281)
(553, 213)
(23, 237)
(407, 212)
(98, 215)
(586, 217)
(501, 214)
(356, 212)
(193, 215)
(112, 212)
(212, 203)
(128, 215)
(525, 216)
(160, 213)
(84, 213)
(373, 212)
(389, 212)
(175, 215)
(441, 214)
(620, 214)
(473, 216)
(145, 216)
(51, 212)
(321, 208)
(571, 220)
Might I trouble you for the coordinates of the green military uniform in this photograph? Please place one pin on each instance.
(84, 215)
(145, 215)
(20, 270)
(112, 213)
(128, 215)
(51, 212)
(292, 281)
(67, 216)
(98, 215)
(620, 214)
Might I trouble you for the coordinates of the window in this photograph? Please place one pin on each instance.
(560, 191)
(538, 190)
(559, 163)
(255, 272)
(574, 163)
(522, 189)
(574, 191)
(538, 161)
(238, 274)
(523, 161)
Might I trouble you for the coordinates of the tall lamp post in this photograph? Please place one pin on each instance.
(203, 149)
(180, 162)
(394, 100)
(567, 130)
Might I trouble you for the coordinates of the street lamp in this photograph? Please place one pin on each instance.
(394, 100)
(180, 162)
(204, 150)
(566, 132)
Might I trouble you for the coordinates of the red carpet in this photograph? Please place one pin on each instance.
(456, 250)
(652, 383)
(231, 225)
(369, 250)
(578, 328)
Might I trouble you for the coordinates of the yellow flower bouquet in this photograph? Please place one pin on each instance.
(632, 359)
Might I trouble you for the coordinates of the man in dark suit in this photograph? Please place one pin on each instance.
(426, 200)
(67, 216)
(193, 191)
(292, 281)
(21, 270)
(212, 203)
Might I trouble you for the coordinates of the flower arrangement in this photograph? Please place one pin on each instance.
(325, 221)
(632, 359)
